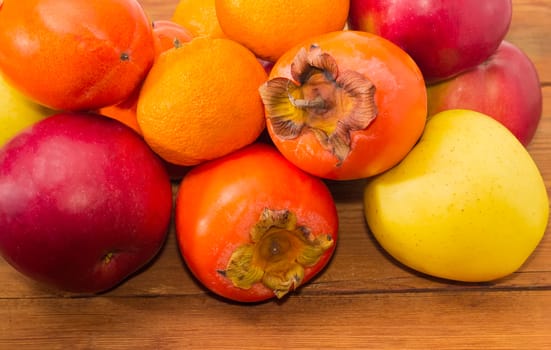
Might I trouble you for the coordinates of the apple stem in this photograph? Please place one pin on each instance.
(107, 258)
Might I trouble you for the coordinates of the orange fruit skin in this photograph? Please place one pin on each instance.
(269, 28)
(165, 34)
(219, 202)
(124, 112)
(199, 16)
(400, 97)
(75, 55)
(201, 101)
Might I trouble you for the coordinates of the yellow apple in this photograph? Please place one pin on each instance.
(468, 203)
(17, 111)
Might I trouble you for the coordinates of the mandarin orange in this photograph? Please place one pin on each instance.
(201, 101)
(269, 28)
(199, 16)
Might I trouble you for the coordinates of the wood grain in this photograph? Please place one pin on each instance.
(364, 299)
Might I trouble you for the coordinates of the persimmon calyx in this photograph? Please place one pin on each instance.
(327, 102)
(278, 253)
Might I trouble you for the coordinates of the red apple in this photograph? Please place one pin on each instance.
(84, 203)
(266, 64)
(505, 87)
(444, 37)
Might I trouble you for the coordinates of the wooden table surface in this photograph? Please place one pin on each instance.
(363, 299)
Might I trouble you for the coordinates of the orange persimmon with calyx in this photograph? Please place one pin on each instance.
(345, 105)
(75, 55)
(251, 226)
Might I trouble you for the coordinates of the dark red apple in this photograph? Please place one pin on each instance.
(444, 37)
(266, 64)
(84, 203)
(505, 87)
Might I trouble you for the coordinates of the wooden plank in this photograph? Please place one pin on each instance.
(481, 320)
(529, 16)
(159, 9)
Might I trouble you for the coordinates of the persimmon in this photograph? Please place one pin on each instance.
(345, 105)
(251, 226)
(78, 54)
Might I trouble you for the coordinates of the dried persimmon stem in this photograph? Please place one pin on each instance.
(277, 255)
(329, 103)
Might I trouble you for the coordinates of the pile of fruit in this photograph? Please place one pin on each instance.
(246, 108)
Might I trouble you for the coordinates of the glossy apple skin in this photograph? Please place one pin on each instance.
(444, 37)
(506, 87)
(84, 203)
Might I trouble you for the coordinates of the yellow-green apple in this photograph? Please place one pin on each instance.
(84, 202)
(505, 87)
(444, 37)
(468, 203)
(17, 111)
